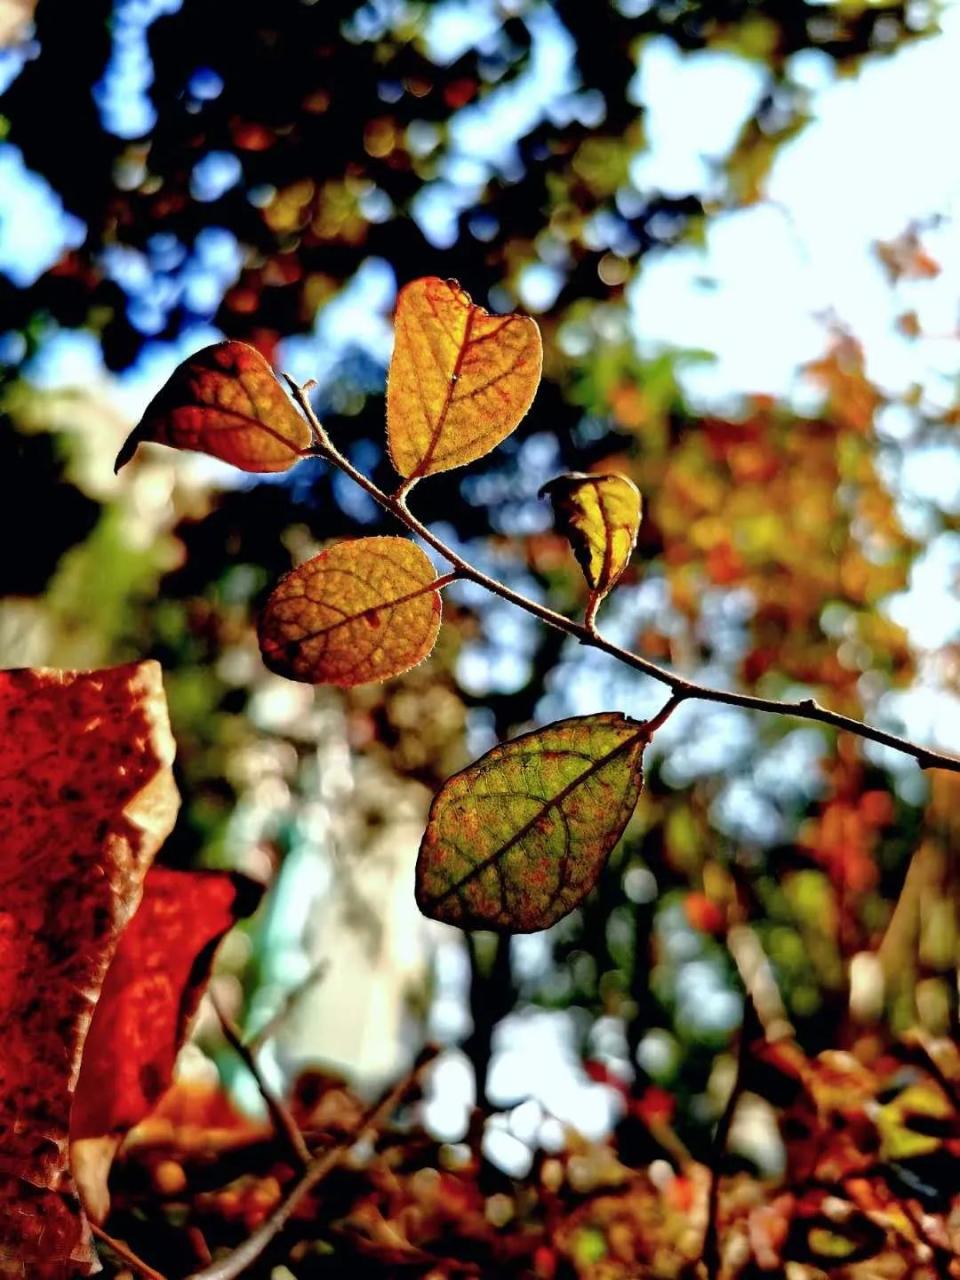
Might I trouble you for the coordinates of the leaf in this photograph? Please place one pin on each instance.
(519, 838)
(460, 379)
(87, 797)
(150, 994)
(226, 401)
(600, 515)
(361, 611)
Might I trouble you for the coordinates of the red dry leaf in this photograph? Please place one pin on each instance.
(87, 797)
(149, 997)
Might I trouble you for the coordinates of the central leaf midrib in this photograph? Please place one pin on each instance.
(528, 826)
(372, 608)
(448, 398)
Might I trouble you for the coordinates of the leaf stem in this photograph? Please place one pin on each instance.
(804, 709)
(665, 712)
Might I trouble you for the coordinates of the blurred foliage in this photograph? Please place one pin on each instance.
(772, 542)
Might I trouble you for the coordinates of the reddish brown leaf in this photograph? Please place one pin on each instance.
(86, 797)
(149, 997)
(225, 401)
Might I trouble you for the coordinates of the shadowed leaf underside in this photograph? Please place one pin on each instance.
(460, 379)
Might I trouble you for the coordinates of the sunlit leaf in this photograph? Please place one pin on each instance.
(600, 514)
(519, 838)
(149, 996)
(87, 797)
(360, 611)
(460, 379)
(225, 400)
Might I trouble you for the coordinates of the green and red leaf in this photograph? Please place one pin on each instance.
(518, 839)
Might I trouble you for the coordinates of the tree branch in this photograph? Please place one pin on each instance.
(711, 1240)
(246, 1254)
(284, 1124)
(804, 709)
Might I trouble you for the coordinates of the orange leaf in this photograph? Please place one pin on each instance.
(87, 797)
(460, 379)
(225, 400)
(360, 611)
(149, 997)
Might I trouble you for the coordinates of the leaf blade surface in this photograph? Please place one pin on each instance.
(87, 797)
(600, 516)
(226, 401)
(361, 611)
(517, 840)
(460, 379)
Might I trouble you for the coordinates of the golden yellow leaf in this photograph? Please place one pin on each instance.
(518, 839)
(600, 514)
(360, 611)
(226, 401)
(460, 379)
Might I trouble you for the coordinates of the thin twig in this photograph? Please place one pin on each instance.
(711, 1238)
(942, 1258)
(283, 1121)
(244, 1256)
(665, 712)
(804, 709)
(126, 1254)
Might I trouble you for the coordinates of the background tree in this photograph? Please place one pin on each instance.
(317, 153)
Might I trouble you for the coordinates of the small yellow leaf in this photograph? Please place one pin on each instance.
(460, 379)
(600, 514)
(360, 611)
(226, 401)
(519, 838)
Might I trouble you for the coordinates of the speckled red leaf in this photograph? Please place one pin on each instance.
(226, 401)
(86, 798)
(149, 996)
(519, 838)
